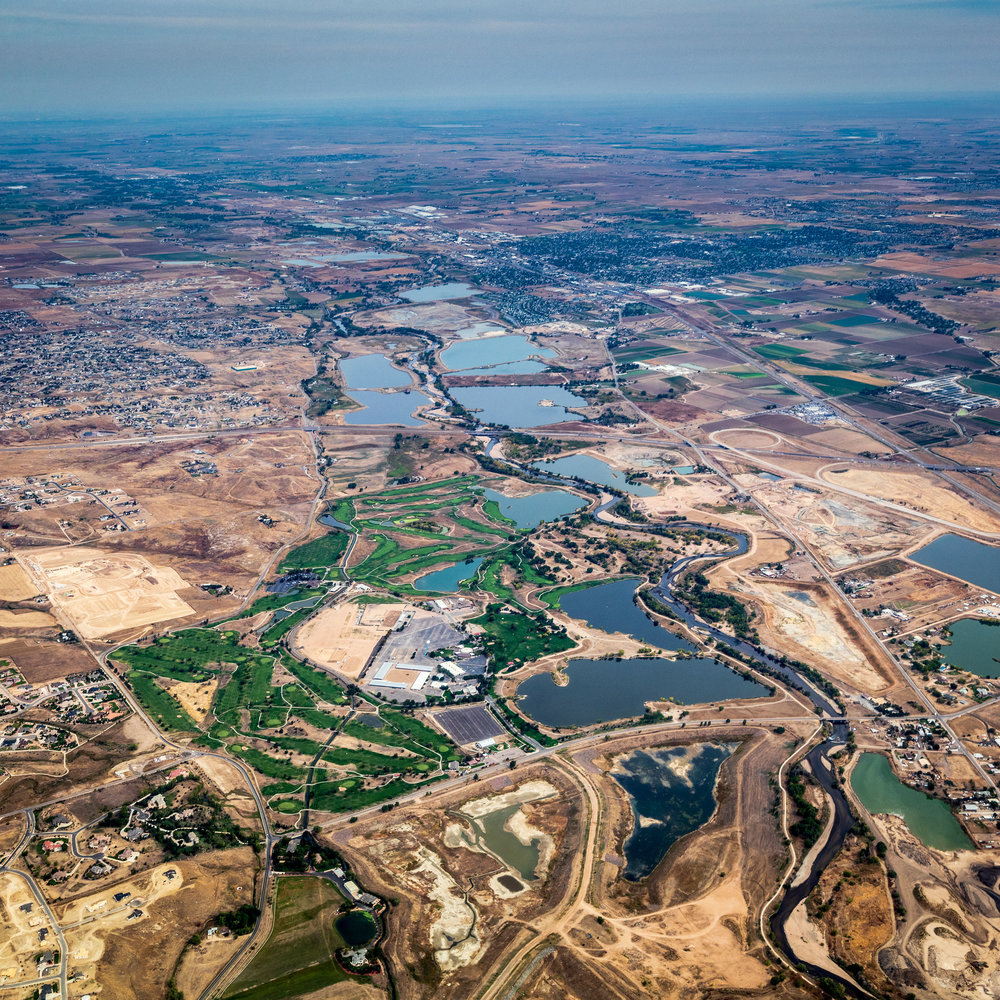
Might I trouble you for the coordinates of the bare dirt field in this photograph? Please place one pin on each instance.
(919, 492)
(26, 620)
(15, 585)
(103, 593)
(344, 637)
(811, 624)
(42, 659)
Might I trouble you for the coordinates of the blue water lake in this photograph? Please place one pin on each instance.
(446, 581)
(519, 405)
(537, 508)
(975, 562)
(593, 470)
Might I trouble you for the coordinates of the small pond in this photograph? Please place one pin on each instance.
(974, 646)
(446, 581)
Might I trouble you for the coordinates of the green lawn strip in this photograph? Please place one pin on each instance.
(516, 638)
(420, 733)
(273, 635)
(480, 529)
(298, 957)
(162, 707)
(193, 654)
(249, 685)
(318, 718)
(280, 788)
(318, 681)
(296, 697)
(779, 351)
(299, 744)
(343, 510)
(326, 550)
(492, 510)
(983, 386)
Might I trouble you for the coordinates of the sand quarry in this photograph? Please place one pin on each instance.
(103, 593)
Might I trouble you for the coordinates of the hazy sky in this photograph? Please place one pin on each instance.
(105, 56)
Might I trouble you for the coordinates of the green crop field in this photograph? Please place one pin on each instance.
(833, 385)
(299, 956)
(779, 351)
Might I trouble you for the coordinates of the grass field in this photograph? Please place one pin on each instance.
(320, 553)
(299, 954)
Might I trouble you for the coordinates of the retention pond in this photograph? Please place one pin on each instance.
(928, 819)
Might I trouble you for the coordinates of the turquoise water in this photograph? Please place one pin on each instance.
(538, 508)
(928, 819)
(518, 405)
(446, 581)
(491, 351)
(974, 646)
(593, 470)
(523, 858)
(387, 408)
(606, 690)
(438, 293)
(672, 793)
(373, 371)
(964, 558)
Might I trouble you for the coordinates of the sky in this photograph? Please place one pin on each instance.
(77, 58)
